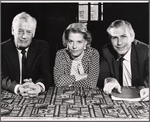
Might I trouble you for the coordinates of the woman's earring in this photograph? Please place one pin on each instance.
(85, 47)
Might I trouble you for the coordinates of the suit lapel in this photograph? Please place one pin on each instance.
(113, 60)
(15, 61)
(30, 58)
(134, 66)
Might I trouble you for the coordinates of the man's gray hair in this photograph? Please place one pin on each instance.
(122, 23)
(26, 17)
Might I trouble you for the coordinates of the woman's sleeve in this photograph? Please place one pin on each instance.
(61, 74)
(93, 74)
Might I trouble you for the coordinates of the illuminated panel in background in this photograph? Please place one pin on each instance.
(94, 12)
(83, 13)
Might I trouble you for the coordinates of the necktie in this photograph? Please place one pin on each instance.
(121, 70)
(23, 51)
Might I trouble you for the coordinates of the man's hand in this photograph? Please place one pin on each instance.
(29, 89)
(110, 84)
(35, 89)
(27, 80)
(25, 88)
(144, 93)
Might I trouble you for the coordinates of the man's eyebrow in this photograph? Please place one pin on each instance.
(113, 36)
(124, 35)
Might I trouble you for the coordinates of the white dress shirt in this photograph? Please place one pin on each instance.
(127, 75)
(20, 62)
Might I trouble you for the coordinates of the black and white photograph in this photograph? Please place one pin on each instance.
(75, 60)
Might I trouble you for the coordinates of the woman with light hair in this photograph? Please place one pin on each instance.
(77, 64)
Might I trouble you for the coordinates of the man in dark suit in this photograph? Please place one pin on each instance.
(124, 61)
(28, 73)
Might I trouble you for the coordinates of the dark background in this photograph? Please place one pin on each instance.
(53, 18)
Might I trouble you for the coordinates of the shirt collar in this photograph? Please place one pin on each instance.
(25, 49)
(127, 55)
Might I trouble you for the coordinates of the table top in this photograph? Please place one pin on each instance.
(71, 103)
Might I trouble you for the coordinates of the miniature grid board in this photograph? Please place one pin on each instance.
(60, 102)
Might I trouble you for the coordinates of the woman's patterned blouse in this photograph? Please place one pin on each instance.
(62, 69)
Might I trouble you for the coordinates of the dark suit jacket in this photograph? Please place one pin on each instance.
(139, 64)
(38, 67)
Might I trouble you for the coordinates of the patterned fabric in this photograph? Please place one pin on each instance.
(62, 69)
(77, 67)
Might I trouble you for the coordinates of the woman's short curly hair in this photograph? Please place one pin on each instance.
(77, 28)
